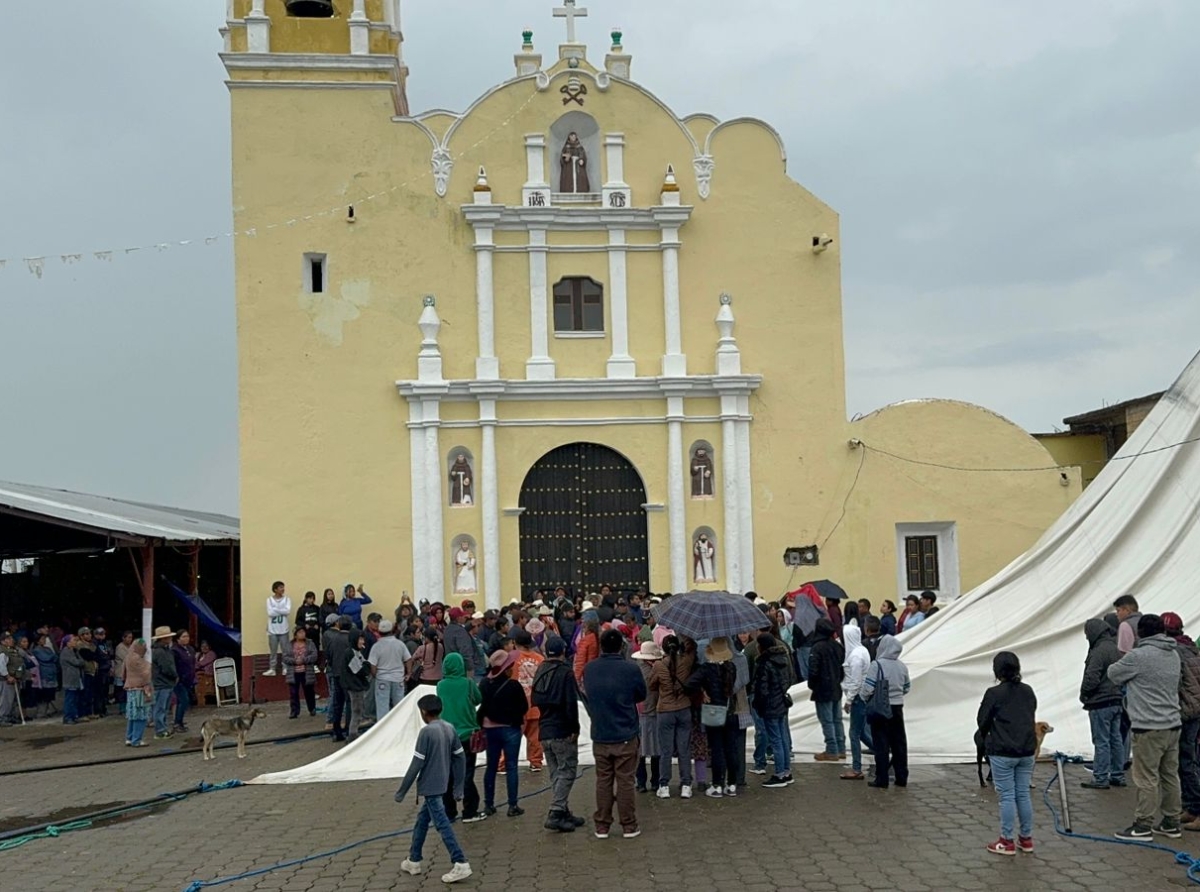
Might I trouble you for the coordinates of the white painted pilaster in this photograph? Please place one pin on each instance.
(433, 534)
(536, 192)
(676, 504)
(620, 363)
(258, 29)
(615, 192)
(729, 476)
(540, 366)
(360, 29)
(674, 362)
(745, 494)
(487, 365)
(490, 503)
(416, 445)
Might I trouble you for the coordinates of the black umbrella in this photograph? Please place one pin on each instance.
(700, 615)
(827, 590)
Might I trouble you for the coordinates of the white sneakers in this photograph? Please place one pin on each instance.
(416, 868)
(664, 793)
(269, 672)
(714, 792)
(685, 792)
(731, 790)
(460, 871)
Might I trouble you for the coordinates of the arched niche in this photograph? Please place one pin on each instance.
(702, 470)
(460, 470)
(588, 131)
(704, 555)
(464, 565)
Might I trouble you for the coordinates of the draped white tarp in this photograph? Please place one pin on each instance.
(1133, 530)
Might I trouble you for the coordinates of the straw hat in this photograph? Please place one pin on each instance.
(162, 632)
(718, 650)
(649, 651)
(500, 661)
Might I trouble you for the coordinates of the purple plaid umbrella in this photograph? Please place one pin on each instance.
(700, 615)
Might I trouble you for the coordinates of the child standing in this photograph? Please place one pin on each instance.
(438, 765)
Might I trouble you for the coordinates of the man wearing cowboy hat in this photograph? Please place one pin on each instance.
(164, 677)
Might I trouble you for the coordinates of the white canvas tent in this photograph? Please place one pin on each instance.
(1133, 530)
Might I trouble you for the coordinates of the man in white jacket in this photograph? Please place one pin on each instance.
(855, 666)
(279, 614)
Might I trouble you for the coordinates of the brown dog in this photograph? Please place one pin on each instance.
(1041, 729)
(239, 727)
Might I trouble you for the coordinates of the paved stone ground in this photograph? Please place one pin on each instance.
(820, 834)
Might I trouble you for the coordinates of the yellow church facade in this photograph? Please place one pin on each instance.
(565, 337)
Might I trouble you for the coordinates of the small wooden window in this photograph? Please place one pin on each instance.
(314, 273)
(578, 305)
(921, 562)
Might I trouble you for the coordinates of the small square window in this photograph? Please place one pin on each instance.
(578, 305)
(921, 562)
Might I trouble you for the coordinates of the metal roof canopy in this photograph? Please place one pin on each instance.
(100, 522)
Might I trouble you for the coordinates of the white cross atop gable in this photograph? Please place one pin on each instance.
(569, 12)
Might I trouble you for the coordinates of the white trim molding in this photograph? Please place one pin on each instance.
(540, 366)
(586, 219)
(577, 389)
(620, 363)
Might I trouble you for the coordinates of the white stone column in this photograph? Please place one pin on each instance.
(745, 494)
(620, 363)
(433, 534)
(540, 366)
(729, 491)
(416, 445)
(360, 29)
(674, 362)
(487, 365)
(536, 191)
(258, 29)
(676, 497)
(490, 503)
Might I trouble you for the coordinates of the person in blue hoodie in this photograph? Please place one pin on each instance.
(888, 735)
(352, 603)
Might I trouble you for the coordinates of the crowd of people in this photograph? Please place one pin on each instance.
(93, 673)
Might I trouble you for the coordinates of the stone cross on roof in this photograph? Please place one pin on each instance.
(569, 12)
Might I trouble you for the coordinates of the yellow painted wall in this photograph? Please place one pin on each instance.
(324, 443)
(1087, 452)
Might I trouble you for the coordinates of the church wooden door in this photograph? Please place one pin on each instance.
(583, 523)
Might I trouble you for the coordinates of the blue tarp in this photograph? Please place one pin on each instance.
(204, 613)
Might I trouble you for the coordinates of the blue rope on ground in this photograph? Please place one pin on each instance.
(52, 830)
(197, 885)
(1183, 859)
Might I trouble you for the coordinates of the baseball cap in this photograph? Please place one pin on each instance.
(477, 615)
(555, 646)
(1172, 623)
(386, 626)
(457, 613)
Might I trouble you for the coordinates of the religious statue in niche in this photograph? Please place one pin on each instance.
(573, 159)
(464, 569)
(702, 474)
(462, 483)
(704, 562)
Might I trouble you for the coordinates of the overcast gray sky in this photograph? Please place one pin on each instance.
(1019, 185)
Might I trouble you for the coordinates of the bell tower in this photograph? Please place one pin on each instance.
(317, 41)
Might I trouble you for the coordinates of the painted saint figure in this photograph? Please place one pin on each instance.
(704, 560)
(573, 159)
(462, 487)
(702, 474)
(464, 569)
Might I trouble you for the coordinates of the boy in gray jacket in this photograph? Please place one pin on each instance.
(438, 762)
(1150, 673)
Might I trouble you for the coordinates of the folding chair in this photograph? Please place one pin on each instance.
(225, 677)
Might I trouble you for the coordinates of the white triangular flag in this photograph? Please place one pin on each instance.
(71, 258)
(36, 265)
(103, 255)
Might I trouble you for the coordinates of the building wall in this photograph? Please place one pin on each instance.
(325, 447)
(1086, 452)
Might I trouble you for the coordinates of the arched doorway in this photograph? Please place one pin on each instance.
(583, 523)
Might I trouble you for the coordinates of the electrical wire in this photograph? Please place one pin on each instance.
(862, 458)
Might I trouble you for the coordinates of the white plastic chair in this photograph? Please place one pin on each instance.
(225, 677)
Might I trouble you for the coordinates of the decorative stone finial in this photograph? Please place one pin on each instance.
(429, 301)
(729, 358)
(670, 188)
(429, 359)
(527, 61)
(616, 39)
(527, 39)
(483, 191)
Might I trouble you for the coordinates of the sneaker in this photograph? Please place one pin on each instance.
(685, 792)
(475, 818)
(129, 743)
(575, 819)
(416, 868)
(489, 811)
(632, 834)
(789, 779)
(515, 811)
(502, 770)
(664, 793)
(1169, 829)
(1113, 782)
(825, 757)
(731, 790)
(757, 770)
(1002, 846)
(535, 768)
(775, 782)
(601, 832)
(1135, 832)
(1093, 785)
(269, 672)
(714, 792)
(162, 735)
(1025, 843)
(460, 871)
